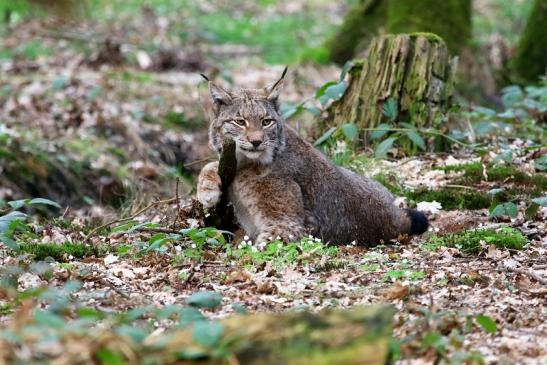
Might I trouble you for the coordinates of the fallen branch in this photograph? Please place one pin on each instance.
(133, 216)
(529, 273)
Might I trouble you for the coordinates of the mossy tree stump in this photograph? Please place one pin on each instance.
(415, 70)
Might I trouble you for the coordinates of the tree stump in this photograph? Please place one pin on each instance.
(414, 70)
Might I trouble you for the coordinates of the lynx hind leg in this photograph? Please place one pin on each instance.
(209, 187)
(274, 206)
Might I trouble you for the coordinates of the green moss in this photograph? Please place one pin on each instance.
(451, 198)
(449, 19)
(531, 61)
(474, 172)
(5, 309)
(391, 182)
(432, 37)
(60, 252)
(361, 24)
(471, 241)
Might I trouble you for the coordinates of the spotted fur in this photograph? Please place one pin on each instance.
(285, 187)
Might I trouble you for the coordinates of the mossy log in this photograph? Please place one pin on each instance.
(531, 59)
(361, 24)
(415, 70)
(357, 336)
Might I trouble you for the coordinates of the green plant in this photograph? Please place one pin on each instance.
(473, 242)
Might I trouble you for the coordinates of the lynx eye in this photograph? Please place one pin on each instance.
(267, 122)
(239, 122)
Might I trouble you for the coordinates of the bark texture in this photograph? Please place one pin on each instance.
(361, 24)
(531, 59)
(415, 70)
(449, 19)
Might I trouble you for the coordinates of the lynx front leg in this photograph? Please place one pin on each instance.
(209, 185)
(268, 207)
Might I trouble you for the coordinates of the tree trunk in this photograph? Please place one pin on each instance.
(359, 336)
(531, 59)
(362, 23)
(414, 70)
(449, 19)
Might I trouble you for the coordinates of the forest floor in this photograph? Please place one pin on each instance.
(115, 136)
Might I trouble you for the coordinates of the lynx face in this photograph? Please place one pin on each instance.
(250, 117)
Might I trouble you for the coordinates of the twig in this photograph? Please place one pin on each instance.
(459, 187)
(530, 274)
(210, 158)
(133, 216)
(178, 204)
(539, 267)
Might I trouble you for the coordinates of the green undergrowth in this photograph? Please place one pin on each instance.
(474, 241)
(475, 172)
(451, 198)
(60, 252)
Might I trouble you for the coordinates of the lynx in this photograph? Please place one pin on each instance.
(286, 188)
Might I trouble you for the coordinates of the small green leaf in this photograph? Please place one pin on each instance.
(325, 137)
(487, 323)
(49, 319)
(204, 299)
(188, 315)
(109, 357)
(531, 211)
(350, 131)
(9, 242)
(43, 201)
(495, 191)
(333, 92)
(383, 148)
(416, 139)
(506, 209)
(541, 201)
(17, 204)
(390, 109)
(207, 333)
(321, 91)
(380, 131)
(541, 163)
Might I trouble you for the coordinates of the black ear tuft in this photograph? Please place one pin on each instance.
(418, 221)
(205, 77)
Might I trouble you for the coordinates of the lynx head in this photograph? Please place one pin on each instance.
(251, 118)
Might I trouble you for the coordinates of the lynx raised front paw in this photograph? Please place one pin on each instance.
(209, 186)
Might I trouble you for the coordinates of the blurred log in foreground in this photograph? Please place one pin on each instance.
(414, 70)
(359, 336)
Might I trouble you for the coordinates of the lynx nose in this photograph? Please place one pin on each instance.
(255, 142)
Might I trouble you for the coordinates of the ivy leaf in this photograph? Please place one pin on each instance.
(333, 92)
(49, 319)
(416, 139)
(207, 333)
(325, 137)
(495, 191)
(321, 91)
(390, 109)
(380, 131)
(384, 147)
(17, 204)
(189, 315)
(505, 209)
(350, 131)
(204, 299)
(487, 323)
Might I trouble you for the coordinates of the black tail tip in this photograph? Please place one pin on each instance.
(418, 221)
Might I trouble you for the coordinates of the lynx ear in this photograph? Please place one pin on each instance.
(274, 90)
(219, 95)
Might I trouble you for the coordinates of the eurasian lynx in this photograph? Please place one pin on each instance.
(285, 187)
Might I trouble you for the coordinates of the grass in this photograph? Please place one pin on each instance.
(60, 252)
(451, 198)
(471, 242)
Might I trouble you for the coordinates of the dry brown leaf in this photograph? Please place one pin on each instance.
(396, 291)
